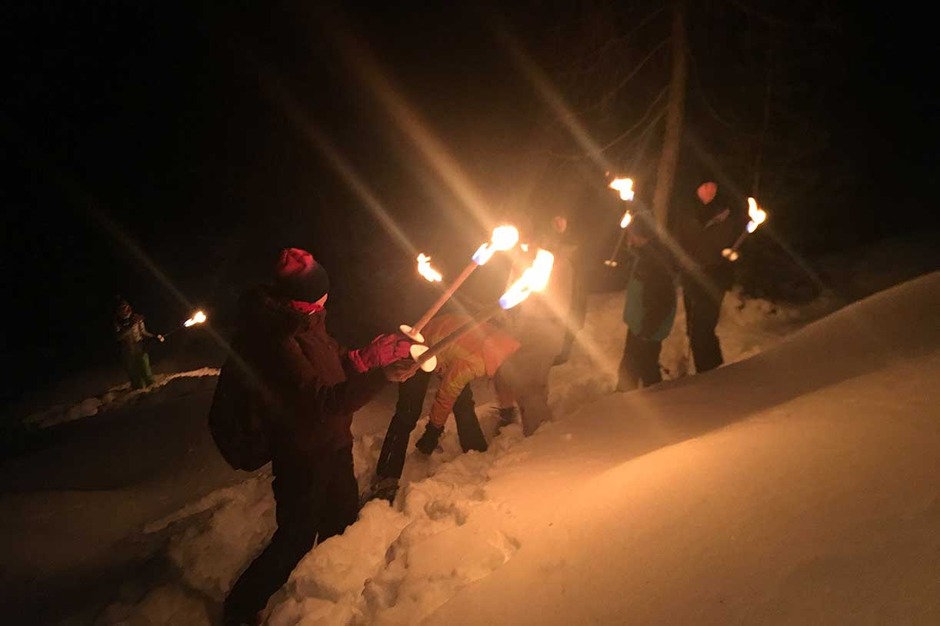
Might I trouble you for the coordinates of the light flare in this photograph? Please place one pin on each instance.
(504, 237)
(534, 278)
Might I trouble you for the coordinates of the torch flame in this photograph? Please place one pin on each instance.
(425, 269)
(756, 214)
(534, 278)
(624, 186)
(626, 219)
(503, 238)
(198, 318)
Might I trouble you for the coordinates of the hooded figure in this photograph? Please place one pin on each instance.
(309, 386)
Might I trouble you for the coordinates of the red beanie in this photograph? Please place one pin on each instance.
(299, 277)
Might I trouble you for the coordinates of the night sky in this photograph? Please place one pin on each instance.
(165, 151)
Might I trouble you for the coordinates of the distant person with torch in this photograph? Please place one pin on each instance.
(131, 333)
(708, 224)
(650, 306)
(305, 387)
(478, 353)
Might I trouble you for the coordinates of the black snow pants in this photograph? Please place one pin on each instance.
(702, 308)
(316, 498)
(408, 410)
(639, 365)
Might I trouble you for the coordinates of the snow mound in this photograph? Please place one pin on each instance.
(114, 398)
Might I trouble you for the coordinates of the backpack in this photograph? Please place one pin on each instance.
(236, 418)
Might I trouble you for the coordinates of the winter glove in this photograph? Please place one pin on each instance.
(381, 351)
(428, 441)
(400, 371)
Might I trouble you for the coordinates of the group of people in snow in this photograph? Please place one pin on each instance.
(310, 385)
(692, 258)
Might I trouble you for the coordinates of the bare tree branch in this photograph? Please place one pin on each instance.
(649, 110)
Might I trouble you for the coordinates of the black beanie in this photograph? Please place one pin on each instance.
(299, 276)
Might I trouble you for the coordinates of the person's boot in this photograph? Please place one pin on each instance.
(382, 488)
(428, 441)
(507, 416)
(627, 381)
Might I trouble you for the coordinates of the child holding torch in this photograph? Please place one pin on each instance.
(131, 333)
(478, 353)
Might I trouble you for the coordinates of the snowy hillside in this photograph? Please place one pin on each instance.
(800, 483)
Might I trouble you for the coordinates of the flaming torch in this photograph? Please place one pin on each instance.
(534, 278)
(198, 318)
(625, 187)
(503, 238)
(425, 269)
(758, 216)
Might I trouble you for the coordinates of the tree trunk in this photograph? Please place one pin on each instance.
(768, 99)
(675, 109)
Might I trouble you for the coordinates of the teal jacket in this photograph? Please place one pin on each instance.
(650, 307)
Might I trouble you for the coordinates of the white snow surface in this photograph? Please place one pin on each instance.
(797, 484)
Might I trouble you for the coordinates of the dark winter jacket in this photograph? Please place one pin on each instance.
(704, 230)
(307, 385)
(131, 332)
(650, 307)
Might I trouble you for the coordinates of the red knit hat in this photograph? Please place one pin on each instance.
(299, 276)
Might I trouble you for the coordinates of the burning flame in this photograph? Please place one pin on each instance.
(198, 318)
(626, 219)
(756, 214)
(503, 238)
(624, 186)
(534, 278)
(425, 269)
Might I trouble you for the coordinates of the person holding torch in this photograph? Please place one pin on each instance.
(131, 333)
(477, 354)
(650, 306)
(540, 324)
(708, 223)
(306, 388)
